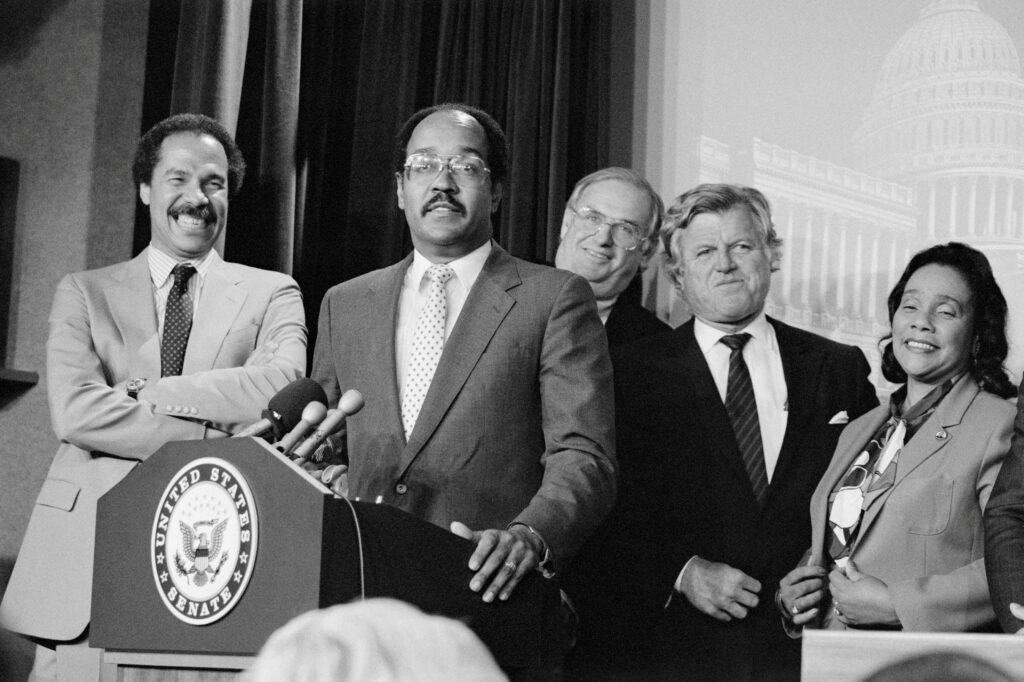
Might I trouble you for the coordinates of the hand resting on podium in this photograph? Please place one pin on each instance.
(501, 559)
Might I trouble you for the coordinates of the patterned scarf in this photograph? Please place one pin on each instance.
(875, 468)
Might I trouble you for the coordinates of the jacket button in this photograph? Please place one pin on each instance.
(401, 488)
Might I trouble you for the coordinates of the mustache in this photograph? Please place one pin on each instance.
(204, 213)
(443, 199)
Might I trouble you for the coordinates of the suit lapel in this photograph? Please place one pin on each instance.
(132, 292)
(801, 366)
(929, 439)
(710, 409)
(219, 305)
(383, 295)
(851, 444)
(486, 307)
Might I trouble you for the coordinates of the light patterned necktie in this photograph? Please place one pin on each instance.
(177, 322)
(742, 409)
(427, 343)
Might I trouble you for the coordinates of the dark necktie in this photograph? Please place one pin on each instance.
(742, 409)
(177, 322)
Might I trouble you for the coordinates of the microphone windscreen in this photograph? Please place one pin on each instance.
(293, 398)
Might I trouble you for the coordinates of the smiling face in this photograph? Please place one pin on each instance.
(725, 267)
(933, 326)
(187, 195)
(447, 220)
(607, 267)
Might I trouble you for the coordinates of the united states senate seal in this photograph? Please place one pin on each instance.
(204, 540)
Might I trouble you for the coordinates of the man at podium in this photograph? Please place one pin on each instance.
(500, 423)
(175, 344)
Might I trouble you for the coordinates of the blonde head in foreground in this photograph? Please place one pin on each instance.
(376, 640)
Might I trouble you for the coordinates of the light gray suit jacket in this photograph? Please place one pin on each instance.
(924, 535)
(517, 424)
(248, 341)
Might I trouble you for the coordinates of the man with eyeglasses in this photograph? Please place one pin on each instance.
(487, 378)
(609, 232)
(725, 426)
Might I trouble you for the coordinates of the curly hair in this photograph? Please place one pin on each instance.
(497, 147)
(147, 154)
(990, 345)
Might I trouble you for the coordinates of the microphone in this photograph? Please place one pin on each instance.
(312, 415)
(284, 410)
(350, 402)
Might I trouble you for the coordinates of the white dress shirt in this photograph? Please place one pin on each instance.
(414, 295)
(160, 266)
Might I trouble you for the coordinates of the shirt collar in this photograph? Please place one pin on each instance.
(759, 328)
(161, 264)
(467, 268)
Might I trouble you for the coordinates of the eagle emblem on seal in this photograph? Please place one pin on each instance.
(201, 543)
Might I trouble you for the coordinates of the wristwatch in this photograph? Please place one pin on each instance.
(546, 566)
(133, 386)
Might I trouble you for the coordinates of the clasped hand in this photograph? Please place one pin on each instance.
(719, 590)
(859, 598)
(800, 592)
(501, 558)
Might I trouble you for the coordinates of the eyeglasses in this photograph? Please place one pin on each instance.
(467, 170)
(625, 235)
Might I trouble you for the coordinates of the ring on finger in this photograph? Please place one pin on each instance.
(795, 609)
(511, 565)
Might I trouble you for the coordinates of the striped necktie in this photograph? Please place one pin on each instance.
(742, 409)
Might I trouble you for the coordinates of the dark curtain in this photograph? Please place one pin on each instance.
(326, 86)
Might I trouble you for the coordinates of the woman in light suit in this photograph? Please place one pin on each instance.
(897, 520)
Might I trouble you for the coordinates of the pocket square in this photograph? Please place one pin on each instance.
(840, 418)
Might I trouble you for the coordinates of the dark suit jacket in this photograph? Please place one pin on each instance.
(1004, 529)
(517, 423)
(629, 321)
(684, 491)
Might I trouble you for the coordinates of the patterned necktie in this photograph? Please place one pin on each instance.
(427, 344)
(742, 409)
(177, 322)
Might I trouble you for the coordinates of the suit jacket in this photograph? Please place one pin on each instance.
(629, 321)
(924, 535)
(686, 492)
(248, 340)
(517, 422)
(1004, 529)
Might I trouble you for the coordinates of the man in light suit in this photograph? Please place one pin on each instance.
(511, 446)
(718, 468)
(118, 392)
(609, 231)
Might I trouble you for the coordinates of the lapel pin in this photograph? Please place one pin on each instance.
(941, 435)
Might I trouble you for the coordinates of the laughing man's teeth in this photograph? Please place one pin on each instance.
(190, 222)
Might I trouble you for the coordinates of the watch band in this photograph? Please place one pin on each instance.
(133, 386)
(545, 566)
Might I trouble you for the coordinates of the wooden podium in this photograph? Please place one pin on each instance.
(209, 546)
